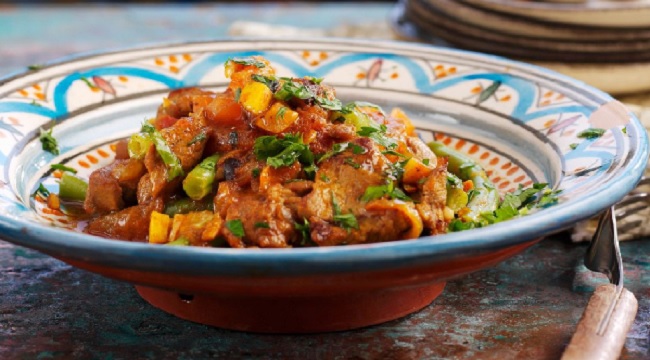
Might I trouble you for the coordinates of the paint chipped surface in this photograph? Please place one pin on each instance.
(527, 308)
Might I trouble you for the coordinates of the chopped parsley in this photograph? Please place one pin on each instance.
(334, 104)
(62, 167)
(236, 227)
(379, 135)
(573, 146)
(514, 204)
(305, 232)
(237, 94)
(379, 191)
(336, 149)
(255, 172)
(248, 62)
(289, 90)
(48, 142)
(262, 225)
(425, 161)
(34, 67)
(346, 221)
(283, 151)
(349, 108)
(394, 153)
(198, 138)
(592, 133)
(324, 178)
(271, 82)
(42, 191)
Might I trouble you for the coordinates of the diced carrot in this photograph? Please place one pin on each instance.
(53, 202)
(277, 119)
(212, 229)
(468, 185)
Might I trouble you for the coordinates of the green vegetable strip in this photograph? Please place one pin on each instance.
(72, 188)
(139, 145)
(198, 182)
(185, 205)
(485, 197)
(174, 168)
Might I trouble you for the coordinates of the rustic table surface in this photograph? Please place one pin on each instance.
(526, 308)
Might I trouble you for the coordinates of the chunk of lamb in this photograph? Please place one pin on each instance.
(131, 223)
(344, 179)
(113, 186)
(432, 198)
(180, 138)
(267, 220)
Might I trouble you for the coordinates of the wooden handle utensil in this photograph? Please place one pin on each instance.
(586, 343)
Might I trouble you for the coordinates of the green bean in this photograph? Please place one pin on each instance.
(484, 197)
(198, 182)
(185, 205)
(72, 187)
(139, 145)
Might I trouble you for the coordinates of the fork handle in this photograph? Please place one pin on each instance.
(586, 343)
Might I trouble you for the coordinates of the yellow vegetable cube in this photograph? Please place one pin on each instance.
(255, 97)
(277, 119)
(158, 228)
(414, 170)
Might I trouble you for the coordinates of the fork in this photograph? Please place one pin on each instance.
(602, 330)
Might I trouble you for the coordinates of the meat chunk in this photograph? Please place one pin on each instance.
(113, 186)
(433, 198)
(266, 218)
(128, 224)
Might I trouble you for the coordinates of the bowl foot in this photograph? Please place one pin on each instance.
(294, 314)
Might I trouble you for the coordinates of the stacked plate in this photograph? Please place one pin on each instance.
(603, 42)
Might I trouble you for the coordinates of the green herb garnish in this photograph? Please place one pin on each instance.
(283, 151)
(592, 133)
(379, 191)
(262, 225)
(248, 62)
(347, 221)
(42, 191)
(198, 138)
(236, 227)
(48, 142)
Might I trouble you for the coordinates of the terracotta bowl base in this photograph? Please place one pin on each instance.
(294, 315)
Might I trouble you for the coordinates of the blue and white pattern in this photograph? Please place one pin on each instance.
(526, 114)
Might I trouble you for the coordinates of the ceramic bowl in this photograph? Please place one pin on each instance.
(519, 121)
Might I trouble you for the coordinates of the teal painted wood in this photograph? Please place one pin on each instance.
(524, 308)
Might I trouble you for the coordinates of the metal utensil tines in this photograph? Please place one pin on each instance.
(611, 310)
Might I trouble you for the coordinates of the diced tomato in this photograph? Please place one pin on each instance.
(223, 110)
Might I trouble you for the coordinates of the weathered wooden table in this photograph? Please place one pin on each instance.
(526, 308)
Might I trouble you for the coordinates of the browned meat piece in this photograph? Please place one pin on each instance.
(181, 102)
(113, 186)
(182, 140)
(432, 200)
(267, 220)
(128, 224)
(122, 149)
(420, 150)
(154, 183)
(104, 192)
(343, 179)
